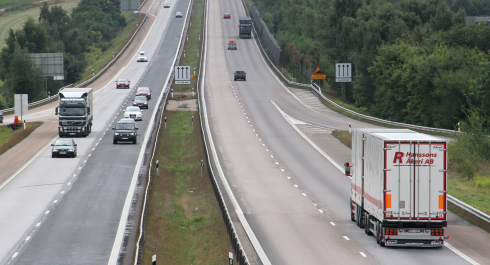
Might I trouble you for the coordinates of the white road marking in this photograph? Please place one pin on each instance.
(461, 254)
(295, 185)
(289, 177)
(15, 254)
(320, 210)
(362, 254)
(332, 223)
(47, 212)
(38, 224)
(346, 238)
(62, 192)
(304, 194)
(28, 238)
(69, 183)
(55, 201)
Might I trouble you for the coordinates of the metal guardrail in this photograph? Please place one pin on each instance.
(55, 97)
(467, 208)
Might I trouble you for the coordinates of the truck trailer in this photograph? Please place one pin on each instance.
(75, 111)
(398, 188)
(245, 28)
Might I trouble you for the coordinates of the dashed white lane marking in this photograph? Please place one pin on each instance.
(55, 201)
(15, 254)
(47, 212)
(295, 185)
(289, 177)
(28, 238)
(69, 183)
(346, 238)
(38, 224)
(304, 194)
(332, 223)
(362, 254)
(320, 210)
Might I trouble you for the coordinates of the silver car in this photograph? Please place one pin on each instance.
(134, 113)
(142, 57)
(178, 14)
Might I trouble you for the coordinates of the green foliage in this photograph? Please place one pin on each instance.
(482, 182)
(471, 148)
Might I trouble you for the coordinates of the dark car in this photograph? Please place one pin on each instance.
(64, 147)
(140, 101)
(122, 83)
(178, 14)
(227, 15)
(125, 130)
(240, 75)
(166, 5)
(1, 116)
(143, 91)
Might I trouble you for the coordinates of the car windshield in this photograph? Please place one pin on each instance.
(240, 72)
(123, 80)
(140, 98)
(133, 109)
(63, 142)
(143, 89)
(142, 53)
(72, 111)
(124, 126)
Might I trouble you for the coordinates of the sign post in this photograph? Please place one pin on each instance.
(343, 74)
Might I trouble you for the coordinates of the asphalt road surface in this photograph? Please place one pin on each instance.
(293, 197)
(70, 211)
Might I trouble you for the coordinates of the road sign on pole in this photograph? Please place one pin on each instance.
(343, 72)
(21, 105)
(182, 75)
(318, 74)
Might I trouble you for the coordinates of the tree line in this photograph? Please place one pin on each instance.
(414, 61)
(91, 26)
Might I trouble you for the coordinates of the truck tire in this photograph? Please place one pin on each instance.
(367, 224)
(377, 232)
(352, 215)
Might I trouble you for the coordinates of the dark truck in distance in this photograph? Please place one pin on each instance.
(245, 28)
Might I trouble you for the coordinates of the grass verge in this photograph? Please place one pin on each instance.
(184, 224)
(192, 47)
(9, 138)
(475, 191)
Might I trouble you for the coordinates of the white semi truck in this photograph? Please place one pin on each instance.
(398, 188)
(75, 111)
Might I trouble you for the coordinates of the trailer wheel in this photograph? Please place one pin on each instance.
(377, 232)
(352, 215)
(367, 225)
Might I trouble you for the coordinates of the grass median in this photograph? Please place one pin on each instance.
(9, 138)
(184, 224)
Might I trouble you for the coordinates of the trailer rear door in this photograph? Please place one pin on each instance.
(415, 180)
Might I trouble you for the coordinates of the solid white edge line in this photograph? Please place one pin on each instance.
(461, 254)
(307, 139)
(253, 239)
(127, 204)
(27, 163)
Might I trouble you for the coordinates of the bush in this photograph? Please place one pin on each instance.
(482, 182)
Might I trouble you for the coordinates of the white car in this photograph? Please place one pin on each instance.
(142, 57)
(134, 113)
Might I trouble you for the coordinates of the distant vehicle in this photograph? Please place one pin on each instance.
(245, 28)
(64, 147)
(125, 130)
(122, 83)
(76, 112)
(166, 5)
(134, 113)
(232, 45)
(240, 75)
(1, 116)
(142, 57)
(227, 15)
(140, 101)
(178, 14)
(398, 186)
(144, 91)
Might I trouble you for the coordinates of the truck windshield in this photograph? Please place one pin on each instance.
(72, 111)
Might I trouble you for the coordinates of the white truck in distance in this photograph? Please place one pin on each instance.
(398, 188)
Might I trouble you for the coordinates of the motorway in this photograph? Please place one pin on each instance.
(292, 196)
(78, 211)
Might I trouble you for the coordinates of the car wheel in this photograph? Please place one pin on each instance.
(234, 79)
(114, 141)
(244, 79)
(134, 141)
(53, 156)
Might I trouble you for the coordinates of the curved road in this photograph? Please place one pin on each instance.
(293, 197)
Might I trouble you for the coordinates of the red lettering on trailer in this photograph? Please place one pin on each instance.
(398, 156)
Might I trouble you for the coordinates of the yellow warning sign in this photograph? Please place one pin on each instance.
(318, 76)
(318, 70)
